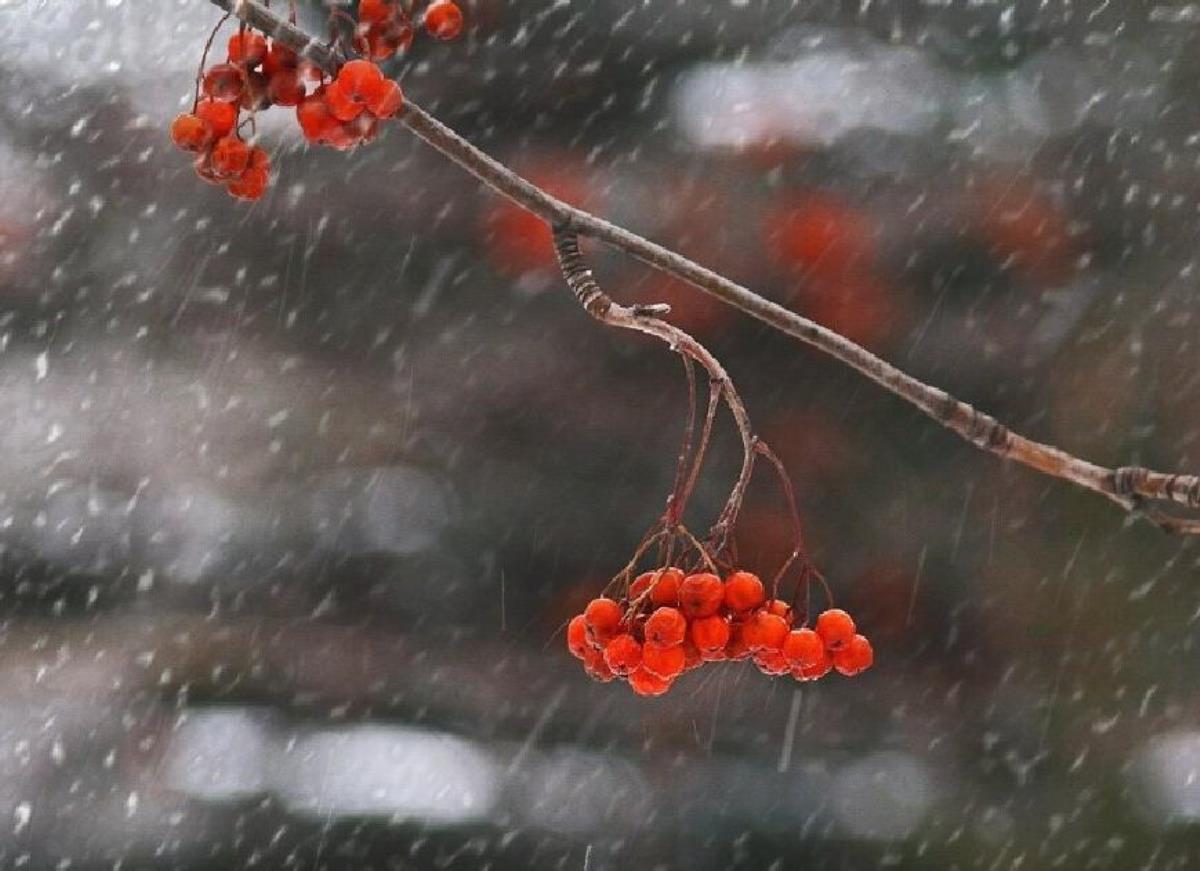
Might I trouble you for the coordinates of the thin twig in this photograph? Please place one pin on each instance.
(1130, 486)
(600, 306)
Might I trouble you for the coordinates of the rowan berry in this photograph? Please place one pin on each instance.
(220, 117)
(641, 584)
(803, 647)
(666, 627)
(710, 633)
(596, 667)
(316, 122)
(623, 654)
(701, 595)
(780, 608)
(443, 19)
(663, 586)
(253, 181)
(280, 58)
(285, 88)
(603, 619)
(836, 628)
(230, 157)
(380, 42)
(225, 82)
(743, 592)
(247, 48)
(360, 87)
(375, 11)
(763, 631)
(647, 683)
(855, 657)
(191, 133)
(577, 637)
(250, 185)
(665, 662)
(256, 94)
(771, 661)
(815, 671)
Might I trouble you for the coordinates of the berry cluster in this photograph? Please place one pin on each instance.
(342, 113)
(256, 74)
(347, 111)
(670, 623)
(385, 28)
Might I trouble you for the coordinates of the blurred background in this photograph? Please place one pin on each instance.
(295, 498)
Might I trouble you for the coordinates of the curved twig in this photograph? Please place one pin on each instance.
(1130, 487)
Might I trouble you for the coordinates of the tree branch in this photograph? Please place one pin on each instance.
(1130, 487)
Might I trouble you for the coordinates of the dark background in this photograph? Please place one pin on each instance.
(296, 497)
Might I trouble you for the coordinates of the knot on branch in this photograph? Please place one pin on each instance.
(579, 278)
(1129, 481)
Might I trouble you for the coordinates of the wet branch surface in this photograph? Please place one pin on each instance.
(1134, 488)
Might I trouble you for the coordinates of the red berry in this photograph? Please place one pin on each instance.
(253, 181)
(443, 19)
(256, 94)
(577, 638)
(247, 48)
(815, 671)
(230, 157)
(623, 654)
(380, 42)
(280, 58)
(596, 667)
(701, 595)
(764, 631)
(710, 633)
(666, 662)
(855, 657)
(666, 627)
(666, 591)
(646, 683)
(361, 86)
(603, 618)
(692, 657)
(375, 11)
(285, 88)
(780, 608)
(220, 117)
(315, 120)
(743, 592)
(836, 628)
(771, 661)
(251, 185)
(663, 586)
(803, 647)
(225, 82)
(191, 133)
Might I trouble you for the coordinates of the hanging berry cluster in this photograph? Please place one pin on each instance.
(669, 623)
(256, 74)
(342, 112)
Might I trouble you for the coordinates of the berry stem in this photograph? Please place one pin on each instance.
(1133, 488)
(204, 58)
(600, 306)
(676, 502)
